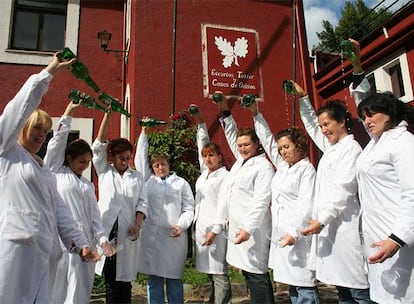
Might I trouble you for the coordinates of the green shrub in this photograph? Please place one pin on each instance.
(178, 142)
(192, 276)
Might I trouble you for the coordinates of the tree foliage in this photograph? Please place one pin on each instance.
(357, 20)
(178, 141)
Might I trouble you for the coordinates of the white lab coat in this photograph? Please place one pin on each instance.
(74, 279)
(120, 197)
(339, 252)
(246, 197)
(33, 215)
(386, 190)
(209, 259)
(170, 202)
(292, 194)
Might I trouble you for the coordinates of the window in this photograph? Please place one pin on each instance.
(392, 74)
(39, 25)
(396, 80)
(72, 136)
(26, 53)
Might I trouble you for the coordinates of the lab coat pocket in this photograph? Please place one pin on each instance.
(20, 224)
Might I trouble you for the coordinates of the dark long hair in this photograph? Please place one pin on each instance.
(387, 103)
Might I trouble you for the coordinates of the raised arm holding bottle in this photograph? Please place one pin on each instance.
(292, 202)
(68, 162)
(210, 240)
(248, 207)
(164, 239)
(336, 215)
(386, 191)
(33, 215)
(123, 206)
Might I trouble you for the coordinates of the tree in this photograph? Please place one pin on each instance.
(178, 142)
(357, 21)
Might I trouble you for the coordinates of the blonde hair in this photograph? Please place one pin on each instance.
(38, 116)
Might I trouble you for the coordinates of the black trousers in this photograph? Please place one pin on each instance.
(260, 287)
(116, 291)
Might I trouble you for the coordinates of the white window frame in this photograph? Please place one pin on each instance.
(35, 57)
(382, 75)
(85, 128)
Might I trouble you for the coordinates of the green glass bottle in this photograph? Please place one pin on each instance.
(347, 49)
(78, 69)
(87, 101)
(114, 103)
(218, 97)
(288, 87)
(193, 109)
(247, 100)
(151, 122)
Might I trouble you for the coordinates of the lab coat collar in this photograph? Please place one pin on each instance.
(397, 131)
(160, 180)
(343, 141)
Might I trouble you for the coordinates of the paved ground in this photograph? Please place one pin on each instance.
(200, 296)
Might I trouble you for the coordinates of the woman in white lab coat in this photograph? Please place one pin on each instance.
(386, 190)
(245, 202)
(74, 279)
(210, 248)
(123, 206)
(292, 193)
(336, 214)
(33, 215)
(164, 239)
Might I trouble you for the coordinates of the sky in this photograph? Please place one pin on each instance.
(318, 10)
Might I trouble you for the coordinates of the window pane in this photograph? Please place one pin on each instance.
(53, 34)
(54, 4)
(397, 81)
(25, 31)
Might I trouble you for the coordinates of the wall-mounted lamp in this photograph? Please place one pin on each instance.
(104, 37)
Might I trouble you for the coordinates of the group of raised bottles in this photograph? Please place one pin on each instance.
(346, 47)
(80, 71)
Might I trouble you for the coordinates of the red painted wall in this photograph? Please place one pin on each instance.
(104, 68)
(152, 58)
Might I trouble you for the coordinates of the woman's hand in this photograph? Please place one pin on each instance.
(241, 236)
(107, 249)
(286, 240)
(387, 248)
(356, 60)
(314, 228)
(133, 232)
(71, 107)
(56, 65)
(299, 90)
(210, 237)
(175, 231)
(89, 255)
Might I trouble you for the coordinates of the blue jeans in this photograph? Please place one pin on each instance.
(155, 290)
(304, 295)
(352, 295)
(221, 289)
(260, 287)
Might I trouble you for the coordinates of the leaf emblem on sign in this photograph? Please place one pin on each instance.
(231, 53)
